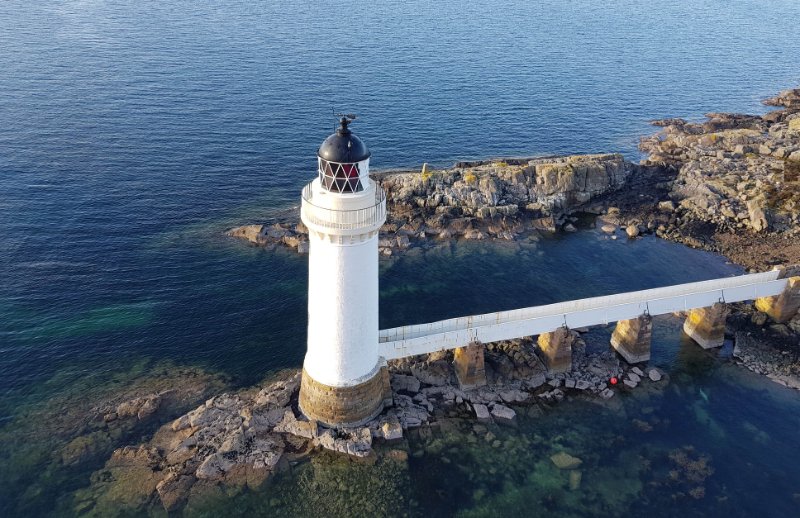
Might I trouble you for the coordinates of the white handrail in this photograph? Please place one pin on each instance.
(343, 219)
(405, 341)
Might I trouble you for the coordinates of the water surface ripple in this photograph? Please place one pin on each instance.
(132, 133)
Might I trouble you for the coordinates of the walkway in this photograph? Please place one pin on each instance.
(400, 342)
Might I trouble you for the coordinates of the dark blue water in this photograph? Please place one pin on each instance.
(133, 133)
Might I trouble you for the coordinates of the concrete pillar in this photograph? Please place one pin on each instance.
(556, 350)
(782, 308)
(631, 338)
(469, 366)
(706, 326)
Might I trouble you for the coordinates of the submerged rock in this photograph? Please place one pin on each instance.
(503, 414)
(140, 407)
(575, 479)
(482, 412)
(78, 428)
(563, 460)
(243, 438)
(254, 233)
(173, 490)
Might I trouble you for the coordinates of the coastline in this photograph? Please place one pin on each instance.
(728, 185)
(713, 185)
(240, 439)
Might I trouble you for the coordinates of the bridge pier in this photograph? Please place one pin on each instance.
(706, 326)
(469, 366)
(782, 308)
(631, 338)
(556, 349)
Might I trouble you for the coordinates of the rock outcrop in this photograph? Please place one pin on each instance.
(736, 172)
(460, 199)
(473, 200)
(240, 439)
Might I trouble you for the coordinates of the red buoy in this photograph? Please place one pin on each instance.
(614, 380)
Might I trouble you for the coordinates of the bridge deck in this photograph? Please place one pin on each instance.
(400, 342)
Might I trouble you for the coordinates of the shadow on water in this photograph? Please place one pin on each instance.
(472, 277)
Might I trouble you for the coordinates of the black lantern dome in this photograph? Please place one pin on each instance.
(343, 147)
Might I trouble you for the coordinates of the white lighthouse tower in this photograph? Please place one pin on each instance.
(344, 380)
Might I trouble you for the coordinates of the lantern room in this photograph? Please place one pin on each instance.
(343, 160)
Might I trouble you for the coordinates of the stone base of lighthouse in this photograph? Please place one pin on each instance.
(345, 406)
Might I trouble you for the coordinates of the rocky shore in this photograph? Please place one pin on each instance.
(713, 185)
(508, 199)
(730, 184)
(68, 436)
(240, 439)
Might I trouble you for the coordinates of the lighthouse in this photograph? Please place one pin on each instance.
(345, 382)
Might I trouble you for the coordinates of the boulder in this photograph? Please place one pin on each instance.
(149, 406)
(482, 412)
(666, 206)
(213, 467)
(434, 373)
(356, 442)
(608, 228)
(392, 430)
(252, 233)
(405, 383)
(536, 381)
(291, 425)
(513, 395)
(174, 490)
(758, 217)
(759, 318)
(503, 414)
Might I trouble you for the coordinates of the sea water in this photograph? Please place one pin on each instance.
(132, 134)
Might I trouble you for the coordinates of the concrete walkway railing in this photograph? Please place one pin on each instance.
(400, 342)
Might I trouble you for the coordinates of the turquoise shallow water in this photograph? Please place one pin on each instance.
(712, 440)
(133, 133)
